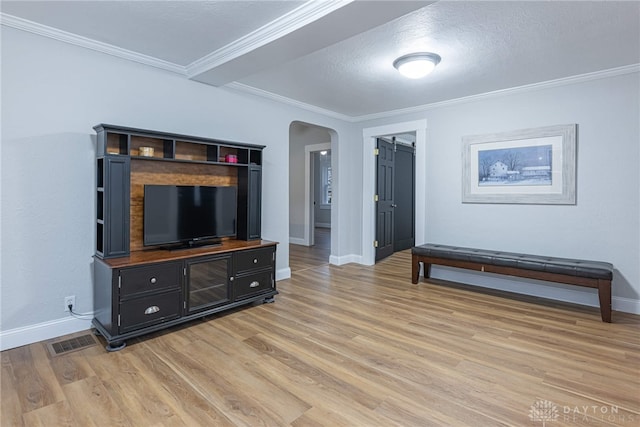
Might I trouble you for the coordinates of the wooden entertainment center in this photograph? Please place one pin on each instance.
(140, 289)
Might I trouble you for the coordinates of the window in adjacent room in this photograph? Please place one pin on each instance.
(325, 176)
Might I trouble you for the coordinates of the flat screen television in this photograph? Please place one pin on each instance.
(188, 214)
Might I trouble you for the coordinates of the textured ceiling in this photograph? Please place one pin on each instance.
(337, 56)
(176, 31)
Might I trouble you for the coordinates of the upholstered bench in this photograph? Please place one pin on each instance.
(592, 274)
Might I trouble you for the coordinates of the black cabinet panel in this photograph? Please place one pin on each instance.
(116, 207)
(151, 278)
(147, 311)
(249, 203)
(254, 260)
(246, 286)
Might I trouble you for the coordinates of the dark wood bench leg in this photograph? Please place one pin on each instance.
(604, 293)
(415, 269)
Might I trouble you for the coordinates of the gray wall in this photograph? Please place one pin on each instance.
(603, 225)
(54, 93)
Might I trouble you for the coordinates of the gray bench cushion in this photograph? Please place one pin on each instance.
(571, 267)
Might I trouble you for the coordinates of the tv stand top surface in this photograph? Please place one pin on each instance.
(168, 254)
(193, 244)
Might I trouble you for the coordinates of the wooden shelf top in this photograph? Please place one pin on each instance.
(160, 255)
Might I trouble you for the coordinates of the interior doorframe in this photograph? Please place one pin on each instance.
(369, 178)
(308, 189)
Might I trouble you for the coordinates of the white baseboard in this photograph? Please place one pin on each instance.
(17, 337)
(47, 330)
(297, 241)
(626, 305)
(283, 273)
(536, 288)
(42, 331)
(345, 259)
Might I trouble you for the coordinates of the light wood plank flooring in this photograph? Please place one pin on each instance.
(305, 257)
(347, 346)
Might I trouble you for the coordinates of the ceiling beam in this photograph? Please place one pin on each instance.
(312, 26)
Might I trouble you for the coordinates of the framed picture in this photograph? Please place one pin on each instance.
(529, 166)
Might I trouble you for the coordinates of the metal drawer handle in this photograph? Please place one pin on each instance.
(255, 260)
(254, 284)
(153, 280)
(152, 309)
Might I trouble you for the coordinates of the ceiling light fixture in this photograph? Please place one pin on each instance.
(416, 65)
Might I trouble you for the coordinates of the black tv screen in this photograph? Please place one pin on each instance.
(188, 214)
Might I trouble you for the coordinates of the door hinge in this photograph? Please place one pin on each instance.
(184, 304)
(375, 198)
(376, 152)
(119, 281)
(118, 320)
(184, 271)
(375, 243)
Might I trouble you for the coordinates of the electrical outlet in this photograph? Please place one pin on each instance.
(69, 301)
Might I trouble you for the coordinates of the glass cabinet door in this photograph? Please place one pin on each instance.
(208, 283)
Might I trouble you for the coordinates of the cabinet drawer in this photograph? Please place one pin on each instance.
(254, 259)
(150, 278)
(142, 312)
(250, 285)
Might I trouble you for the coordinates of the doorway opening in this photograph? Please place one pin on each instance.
(418, 129)
(395, 194)
(311, 195)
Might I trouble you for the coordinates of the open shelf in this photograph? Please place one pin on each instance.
(117, 143)
(156, 148)
(255, 157)
(189, 151)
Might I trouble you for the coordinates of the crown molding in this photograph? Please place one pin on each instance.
(580, 78)
(627, 69)
(285, 24)
(66, 37)
(308, 12)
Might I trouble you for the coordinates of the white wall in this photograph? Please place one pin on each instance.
(52, 95)
(603, 225)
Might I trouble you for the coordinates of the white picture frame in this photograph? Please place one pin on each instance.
(528, 166)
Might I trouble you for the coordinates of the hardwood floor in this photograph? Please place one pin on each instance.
(347, 346)
(306, 257)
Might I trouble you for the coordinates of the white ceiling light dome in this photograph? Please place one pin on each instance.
(417, 65)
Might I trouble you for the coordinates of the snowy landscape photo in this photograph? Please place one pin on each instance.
(530, 165)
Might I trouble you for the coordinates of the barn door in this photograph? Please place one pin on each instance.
(404, 198)
(384, 199)
(395, 198)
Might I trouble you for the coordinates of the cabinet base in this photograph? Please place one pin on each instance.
(115, 346)
(116, 342)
